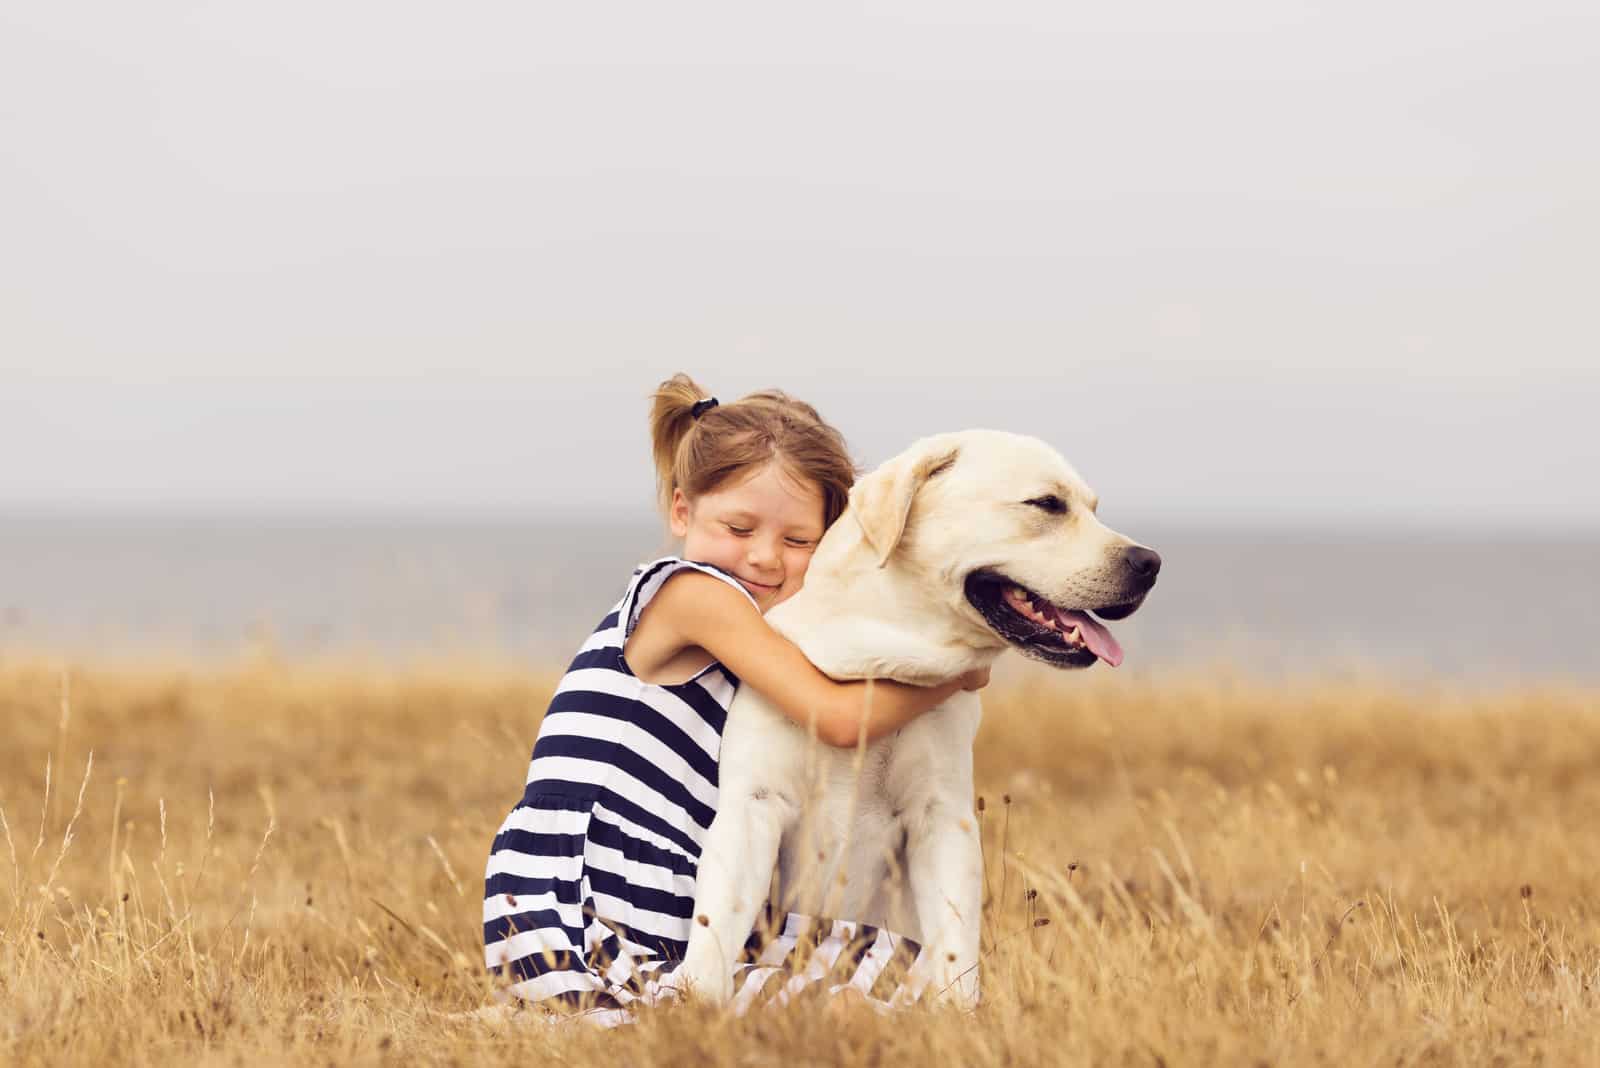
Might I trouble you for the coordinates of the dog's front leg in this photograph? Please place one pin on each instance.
(736, 865)
(944, 861)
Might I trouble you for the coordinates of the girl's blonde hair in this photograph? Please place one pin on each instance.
(698, 454)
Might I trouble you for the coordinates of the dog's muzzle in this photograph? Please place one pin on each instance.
(1061, 635)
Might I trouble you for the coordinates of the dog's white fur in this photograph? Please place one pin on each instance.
(886, 834)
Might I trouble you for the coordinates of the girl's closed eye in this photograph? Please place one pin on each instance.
(743, 532)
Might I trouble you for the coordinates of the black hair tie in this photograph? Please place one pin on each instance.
(701, 407)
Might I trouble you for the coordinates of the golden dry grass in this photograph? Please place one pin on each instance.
(282, 863)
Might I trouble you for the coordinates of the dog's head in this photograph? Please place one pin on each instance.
(1004, 531)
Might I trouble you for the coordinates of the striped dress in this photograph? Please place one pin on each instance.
(589, 890)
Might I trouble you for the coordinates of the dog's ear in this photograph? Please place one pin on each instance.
(881, 502)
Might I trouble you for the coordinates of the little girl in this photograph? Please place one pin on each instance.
(590, 881)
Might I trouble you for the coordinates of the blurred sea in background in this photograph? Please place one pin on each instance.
(1407, 602)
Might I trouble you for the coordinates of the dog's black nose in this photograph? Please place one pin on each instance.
(1145, 563)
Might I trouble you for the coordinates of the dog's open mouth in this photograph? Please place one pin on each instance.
(1065, 637)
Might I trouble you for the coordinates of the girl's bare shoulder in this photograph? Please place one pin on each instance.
(661, 649)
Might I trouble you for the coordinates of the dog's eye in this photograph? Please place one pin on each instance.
(1050, 503)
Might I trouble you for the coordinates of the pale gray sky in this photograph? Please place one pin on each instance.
(1246, 258)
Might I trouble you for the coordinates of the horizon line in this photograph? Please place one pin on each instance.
(1286, 520)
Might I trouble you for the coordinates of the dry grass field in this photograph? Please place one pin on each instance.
(281, 863)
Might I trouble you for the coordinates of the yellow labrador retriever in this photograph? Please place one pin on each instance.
(959, 547)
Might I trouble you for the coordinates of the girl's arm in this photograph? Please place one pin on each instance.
(696, 609)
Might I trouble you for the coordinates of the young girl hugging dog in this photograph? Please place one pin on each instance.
(589, 890)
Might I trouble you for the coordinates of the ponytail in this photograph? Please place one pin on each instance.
(671, 419)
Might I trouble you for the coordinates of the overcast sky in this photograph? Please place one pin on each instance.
(1249, 258)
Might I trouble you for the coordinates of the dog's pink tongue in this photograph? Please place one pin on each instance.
(1096, 637)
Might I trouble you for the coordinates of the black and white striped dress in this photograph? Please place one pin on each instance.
(589, 891)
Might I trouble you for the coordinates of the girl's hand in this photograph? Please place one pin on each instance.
(976, 679)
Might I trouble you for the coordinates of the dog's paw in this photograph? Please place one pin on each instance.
(957, 994)
(953, 983)
(695, 984)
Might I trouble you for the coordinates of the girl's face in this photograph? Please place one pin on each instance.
(761, 529)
